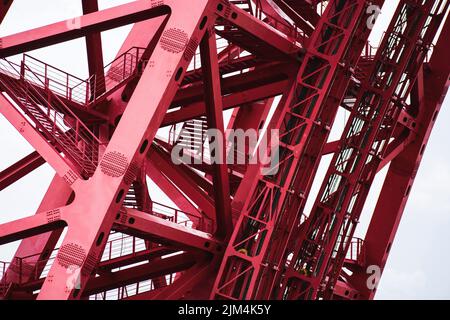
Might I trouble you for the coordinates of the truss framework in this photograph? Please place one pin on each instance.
(235, 232)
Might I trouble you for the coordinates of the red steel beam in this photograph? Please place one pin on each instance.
(91, 23)
(4, 8)
(246, 253)
(185, 180)
(340, 199)
(20, 169)
(39, 246)
(194, 284)
(403, 169)
(231, 100)
(166, 232)
(147, 271)
(129, 143)
(214, 113)
(94, 51)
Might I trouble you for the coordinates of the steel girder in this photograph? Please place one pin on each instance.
(236, 233)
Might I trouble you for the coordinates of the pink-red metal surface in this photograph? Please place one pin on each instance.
(237, 230)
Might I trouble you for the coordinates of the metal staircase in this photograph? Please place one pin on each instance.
(50, 117)
(192, 135)
(43, 92)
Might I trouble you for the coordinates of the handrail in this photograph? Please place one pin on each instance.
(76, 89)
(3, 268)
(69, 135)
(173, 215)
(64, 82)
(355, 250)
(129, 245)
(132, 289)
(129, 69)
(66, 109)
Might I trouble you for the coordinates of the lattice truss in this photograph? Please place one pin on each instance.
(234, 232)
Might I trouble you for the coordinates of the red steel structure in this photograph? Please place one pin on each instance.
(236, 232)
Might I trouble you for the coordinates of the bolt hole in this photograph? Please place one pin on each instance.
(220, 7)
(408, 191)
(414, 124)
(143, 146)
(100, 239)
(203, 23)
(178, 74)
(118, 216)
(131, 221)
(45, 255)
(422, 150)
(120, 195)
(435, 115)
(234, 15)
(389, 247)
(207, 244)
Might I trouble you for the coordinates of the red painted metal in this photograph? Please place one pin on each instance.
(233, 230)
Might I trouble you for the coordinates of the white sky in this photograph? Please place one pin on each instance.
(420, 256)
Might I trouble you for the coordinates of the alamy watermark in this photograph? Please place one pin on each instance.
(73, 9)
(374, 277)
(374, 11)
(242, 148)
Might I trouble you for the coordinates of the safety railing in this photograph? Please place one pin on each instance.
(76, 89)
(120, 244)
(33, 267)
(182, 218)
(356, 250)
(369, 51)
(3, 283)
(49, 113)
(58, 81)
(132, 289)
(355, 253)
(121, 69)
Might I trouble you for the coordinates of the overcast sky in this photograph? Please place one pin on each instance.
(420, 257)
